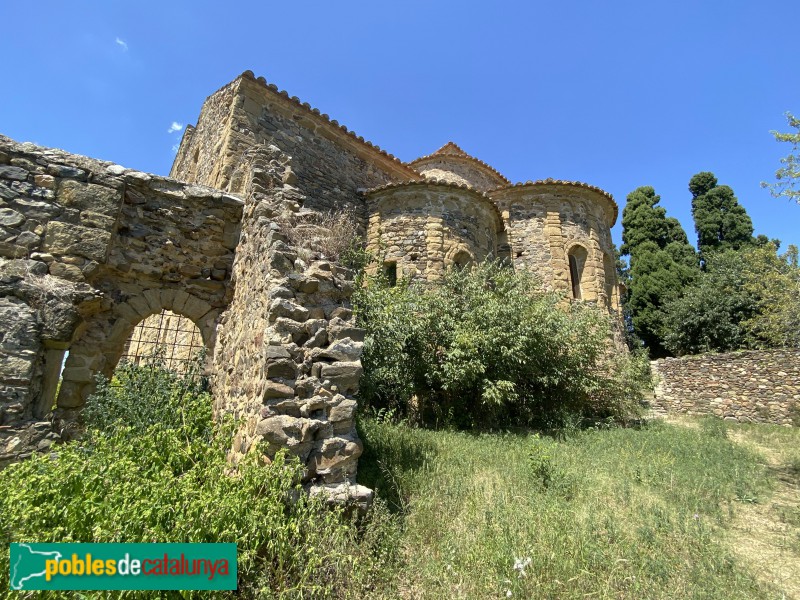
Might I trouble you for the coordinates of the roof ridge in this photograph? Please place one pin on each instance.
(551, 181)
(454, 150)
(439, 183)
(324, 117)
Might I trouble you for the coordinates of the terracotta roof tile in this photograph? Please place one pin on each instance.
(551, 181)
(437, 183)
(326, 119)
(453, 149)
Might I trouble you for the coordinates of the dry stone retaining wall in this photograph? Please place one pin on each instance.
(750, 387)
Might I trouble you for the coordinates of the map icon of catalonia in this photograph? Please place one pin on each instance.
(28, 564)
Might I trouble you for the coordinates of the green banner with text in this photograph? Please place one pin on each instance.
(122, 566)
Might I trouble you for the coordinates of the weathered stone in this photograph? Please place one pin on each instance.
(344, 375)
(14, 173)
(66, 238)
(282, 369)
(281, 307)
(343, 350)
(10, 218)
(276, 389)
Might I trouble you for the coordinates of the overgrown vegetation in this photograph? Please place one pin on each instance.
(152, 468)
(744, 299)
(601, 513)
(736, 292)
(662, 264)
(604, 511)
(485, 347)
(328, 235)
(788, 175)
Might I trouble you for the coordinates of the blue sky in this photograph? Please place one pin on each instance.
(616, 94)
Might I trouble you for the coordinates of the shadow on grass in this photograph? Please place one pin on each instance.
(392, 455)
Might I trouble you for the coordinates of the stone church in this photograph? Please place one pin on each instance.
(92, 252)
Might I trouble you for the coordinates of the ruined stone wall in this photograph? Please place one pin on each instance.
(545, 223)
(425, 227)
(750, 387)
(328, 164)
(209, 139)
(459, 171)
(287, 358)
(87, 250)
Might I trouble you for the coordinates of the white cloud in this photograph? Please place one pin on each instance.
(174, 127)
(175, 148)
(121, 43)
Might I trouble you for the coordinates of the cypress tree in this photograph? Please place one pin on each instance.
(662, 263)
(720, 221)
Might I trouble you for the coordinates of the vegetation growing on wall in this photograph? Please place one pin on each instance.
(486, 347)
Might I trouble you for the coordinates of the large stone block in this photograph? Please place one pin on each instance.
(90, 197)
(344, 375)
(66, 238)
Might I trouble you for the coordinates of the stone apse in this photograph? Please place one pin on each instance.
(89, 249)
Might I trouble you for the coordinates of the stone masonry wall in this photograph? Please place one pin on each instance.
(750, 387)
(425, 226)
(328, 164)
(459, 171)
(87, 250)
(287, 359)
(545, 222)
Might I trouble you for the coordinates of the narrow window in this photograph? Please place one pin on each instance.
(575, 277)
(577, 261)
(390, 271)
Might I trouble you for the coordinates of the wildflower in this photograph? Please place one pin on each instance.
(696, 516)
(508, 594)
(520, 564)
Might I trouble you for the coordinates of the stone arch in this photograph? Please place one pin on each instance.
(99, 348)
(458, 257)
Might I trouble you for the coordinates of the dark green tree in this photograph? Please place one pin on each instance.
(720, 221)
(746, 298)
(662, 264)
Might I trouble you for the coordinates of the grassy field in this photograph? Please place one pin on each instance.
(659, 511)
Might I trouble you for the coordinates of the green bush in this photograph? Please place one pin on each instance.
(152, 468)
(486, 347)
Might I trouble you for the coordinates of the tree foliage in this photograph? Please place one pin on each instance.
(789, 174)
(720, 221)
(152, 467)
(662, 263)
(486, 347)
(744, 299)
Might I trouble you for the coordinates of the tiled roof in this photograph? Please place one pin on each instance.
(452, 149)
(326, 119)
(550, 181)
(436, 183)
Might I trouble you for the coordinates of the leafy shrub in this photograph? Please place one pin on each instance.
(486, 347)
(152, 468)
(745, 299)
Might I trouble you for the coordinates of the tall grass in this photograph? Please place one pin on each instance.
(604, 513)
